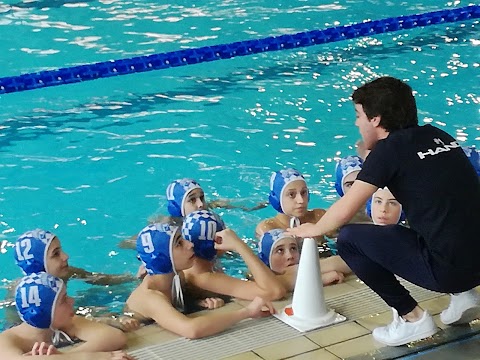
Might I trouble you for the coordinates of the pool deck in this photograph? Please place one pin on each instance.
(270, 339)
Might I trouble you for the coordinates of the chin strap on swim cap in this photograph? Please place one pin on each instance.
(57, 337)
(177, 293)
(294, 222)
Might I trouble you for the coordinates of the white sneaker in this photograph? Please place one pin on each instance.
(463, 308)
(401, 332)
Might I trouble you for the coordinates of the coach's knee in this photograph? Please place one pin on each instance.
(346, 239)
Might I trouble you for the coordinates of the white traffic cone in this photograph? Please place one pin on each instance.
(308, 310)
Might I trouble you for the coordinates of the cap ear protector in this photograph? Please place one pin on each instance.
(174, 209)
(273, 197)
(200, 227)
(278, 181)
(343, 168)
(264, 256)
(177, 192)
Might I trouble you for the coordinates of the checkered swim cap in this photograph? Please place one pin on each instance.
(200, 228)
(35, 298)
(278, 181)
(31, 250)
(177, 192)
(344, 167)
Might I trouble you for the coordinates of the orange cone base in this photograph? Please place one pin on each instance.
(288, 317)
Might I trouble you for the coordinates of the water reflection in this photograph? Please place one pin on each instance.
(282, 72)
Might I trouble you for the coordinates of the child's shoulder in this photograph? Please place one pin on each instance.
(10, 334)
(316, 214)
(267, 225)
(12, 341)
(270, 223)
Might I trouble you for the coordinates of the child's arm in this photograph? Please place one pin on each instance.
(334, 263)
(130, 243)
(266, 285)
(227, 204)
(289, 277)
(100, 278)
(221, 283)
(266, 225)
(11, 350)
(211, 303)
(155, 305)
(259, 230)
(261, 205)
(122, 322)
(96, 336)
(329, 277)
(332, 277)
(340, 213)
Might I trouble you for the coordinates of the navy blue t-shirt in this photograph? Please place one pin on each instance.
(429, 174)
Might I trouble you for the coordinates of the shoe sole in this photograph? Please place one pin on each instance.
(410, 339)
(467, 316)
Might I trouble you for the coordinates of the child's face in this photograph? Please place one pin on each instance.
(295, 199)
(349, 180)
(386, 209)
(63, 312)
(57, 260)
(195, 201)
(284, 254)
(182, 252)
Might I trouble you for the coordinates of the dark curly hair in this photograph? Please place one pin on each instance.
(389, 98)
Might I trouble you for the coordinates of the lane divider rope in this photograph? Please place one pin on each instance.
(171, 59)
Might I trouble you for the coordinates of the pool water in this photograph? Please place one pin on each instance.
(91, 161)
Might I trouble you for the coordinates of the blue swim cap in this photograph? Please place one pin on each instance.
(177, 192)
(278, 181)
(200, 228)
(35, 298)
(154, 246)
(368, 209)
(267, 244)
(474, 156)
(31, 250)
(344, 167)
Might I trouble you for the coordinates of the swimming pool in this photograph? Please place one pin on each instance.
(91, 161)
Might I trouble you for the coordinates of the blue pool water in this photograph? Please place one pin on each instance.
(91, 161)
